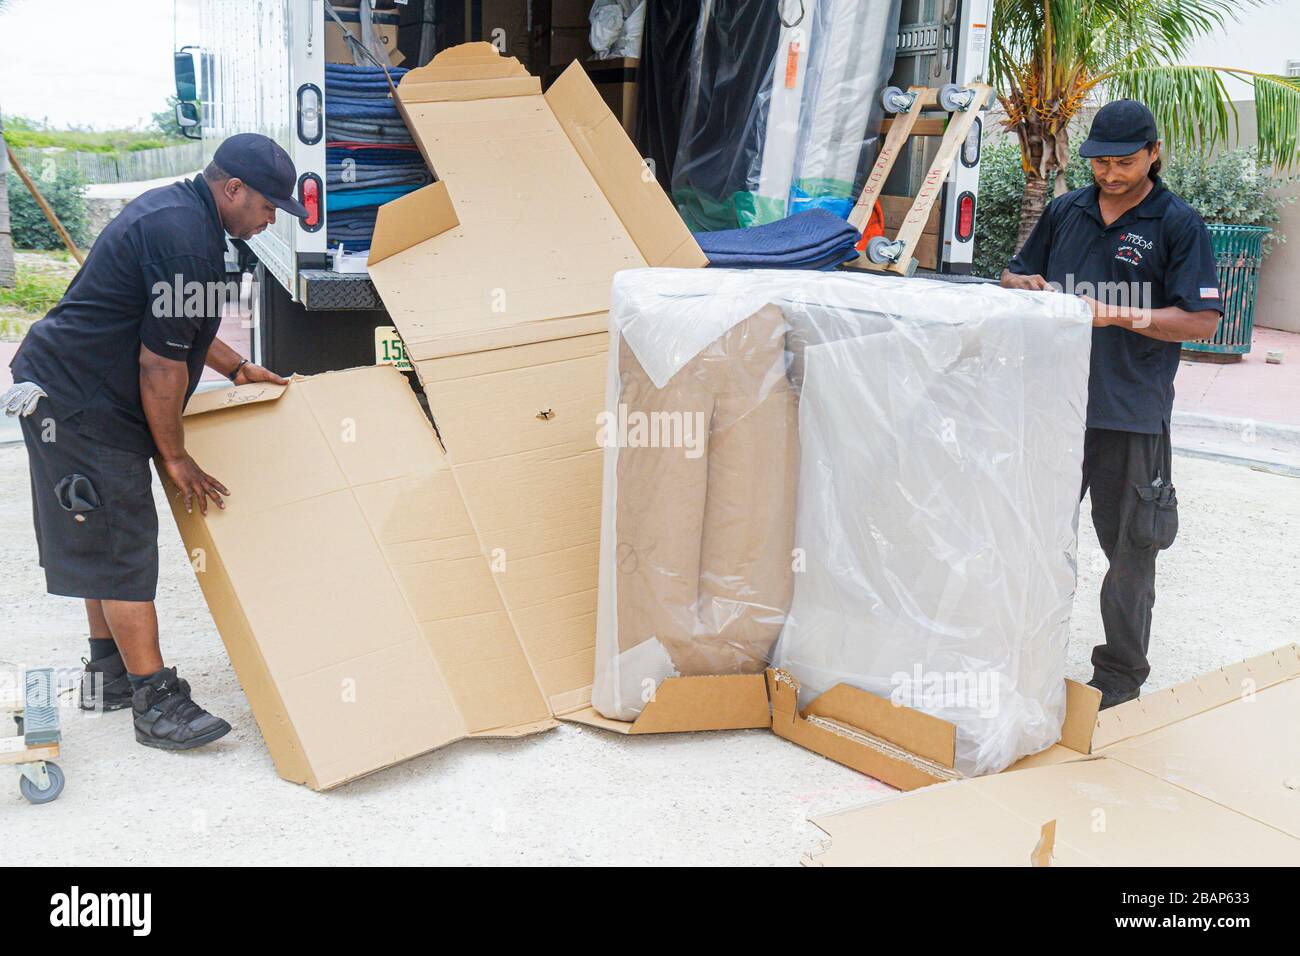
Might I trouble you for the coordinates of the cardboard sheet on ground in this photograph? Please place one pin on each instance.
(385, 589)
(1206, 773)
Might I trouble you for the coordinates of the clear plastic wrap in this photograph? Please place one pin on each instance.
(616, 27)
(782, 108)
(884, 472)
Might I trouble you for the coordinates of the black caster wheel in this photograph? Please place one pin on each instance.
(34, 794)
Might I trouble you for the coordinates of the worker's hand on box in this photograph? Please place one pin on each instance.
(195, 484)
(255, 373)
(1034, 283)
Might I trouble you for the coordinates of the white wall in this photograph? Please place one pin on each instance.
(1262, 40)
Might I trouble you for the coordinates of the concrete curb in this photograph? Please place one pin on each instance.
(1264, 446)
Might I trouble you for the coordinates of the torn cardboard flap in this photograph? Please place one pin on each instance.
(545, 198)
(1217, 757)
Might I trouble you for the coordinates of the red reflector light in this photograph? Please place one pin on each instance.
(311, 199)
(965, 217)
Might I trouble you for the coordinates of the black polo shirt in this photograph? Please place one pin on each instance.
(1158, 254)
(155, 276)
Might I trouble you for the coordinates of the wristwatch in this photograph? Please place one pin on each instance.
(235, 374)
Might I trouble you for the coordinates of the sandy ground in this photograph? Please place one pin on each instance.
(573, 795)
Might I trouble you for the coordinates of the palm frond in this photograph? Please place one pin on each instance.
(1190, 103)
(1193, 110)
(1277, 119)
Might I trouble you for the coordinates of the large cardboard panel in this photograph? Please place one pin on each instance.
(346, 580)
(1106, 814)
(1215, 757)
(520, 428)
(503, 306)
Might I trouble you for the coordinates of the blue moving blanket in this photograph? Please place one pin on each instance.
(816, 239)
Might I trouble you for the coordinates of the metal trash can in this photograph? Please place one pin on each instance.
(1237, 253)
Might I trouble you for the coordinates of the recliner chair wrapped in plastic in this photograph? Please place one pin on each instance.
(883, 471)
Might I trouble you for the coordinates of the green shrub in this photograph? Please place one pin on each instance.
(65, 191)
(35, 291)
(997, 217)
(1230, 188)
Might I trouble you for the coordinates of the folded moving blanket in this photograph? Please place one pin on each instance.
(337, 176)
(337, 108)
(373, 152)
(352, 227)
(816, 239)
(351, 73)
(336, 200)
(371, 130)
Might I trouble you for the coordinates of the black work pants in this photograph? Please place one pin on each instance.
(1115, 465)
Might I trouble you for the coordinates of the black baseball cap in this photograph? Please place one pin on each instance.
(1120, 128)
(263, 165)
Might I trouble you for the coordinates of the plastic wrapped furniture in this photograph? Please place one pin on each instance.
(927, 438)
(781, 108)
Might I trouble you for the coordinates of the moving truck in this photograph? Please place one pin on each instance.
(259, 66)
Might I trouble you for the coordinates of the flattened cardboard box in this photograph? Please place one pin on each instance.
(1206, 773)
(384, 589)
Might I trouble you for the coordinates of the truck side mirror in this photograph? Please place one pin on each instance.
(187, 88)
(187, 118)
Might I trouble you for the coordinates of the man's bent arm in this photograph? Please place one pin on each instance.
(222, 358)
(163, 383)
(1170, 324)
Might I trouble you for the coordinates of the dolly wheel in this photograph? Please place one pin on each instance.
(953, 98)
(34, 794)
(881, 250)
(895, 100)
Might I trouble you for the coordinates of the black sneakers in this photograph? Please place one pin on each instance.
(166, 717)
(105, 686)
(1110, 697)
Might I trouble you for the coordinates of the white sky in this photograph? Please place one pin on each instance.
(100, 63)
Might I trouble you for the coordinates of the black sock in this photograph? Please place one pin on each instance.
(138, 679)
(101, 647)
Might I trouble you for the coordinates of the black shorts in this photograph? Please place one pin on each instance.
(96, 538)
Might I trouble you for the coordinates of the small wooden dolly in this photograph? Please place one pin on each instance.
(880, 253)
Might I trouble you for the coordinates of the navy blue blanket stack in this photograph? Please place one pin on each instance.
(816, 239)
(370, 156)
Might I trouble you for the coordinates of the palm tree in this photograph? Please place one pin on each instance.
(1050, 57)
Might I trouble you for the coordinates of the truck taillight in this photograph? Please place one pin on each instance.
(965, 217)
(970, 149)
(309, 194)
(309, 114)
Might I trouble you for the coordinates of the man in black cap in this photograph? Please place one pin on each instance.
(100, 385)
(1142, 260)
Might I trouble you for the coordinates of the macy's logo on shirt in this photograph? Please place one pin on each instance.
(1131, 250)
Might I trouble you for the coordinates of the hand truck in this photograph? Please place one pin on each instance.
(880, 253)
(33, 749)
